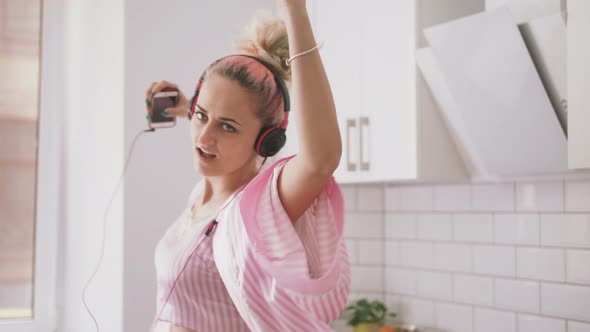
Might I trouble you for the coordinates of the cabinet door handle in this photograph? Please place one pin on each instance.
(364, 121)
(350, 166)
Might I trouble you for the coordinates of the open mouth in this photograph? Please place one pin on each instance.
(205, 154)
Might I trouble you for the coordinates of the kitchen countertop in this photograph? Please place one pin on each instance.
(339, 325)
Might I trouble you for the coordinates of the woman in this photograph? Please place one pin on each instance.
(258, 250)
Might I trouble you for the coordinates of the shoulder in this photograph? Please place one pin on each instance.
(260, 188)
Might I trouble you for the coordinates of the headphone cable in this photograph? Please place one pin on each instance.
(104, 226)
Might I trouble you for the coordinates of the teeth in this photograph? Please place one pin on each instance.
(207, 154)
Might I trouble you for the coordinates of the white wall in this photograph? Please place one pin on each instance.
(175, 41)
(92, 159)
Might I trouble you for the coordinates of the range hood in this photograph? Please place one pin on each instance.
(492, 96)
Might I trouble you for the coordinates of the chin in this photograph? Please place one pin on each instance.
(218, 168)
(206, 170)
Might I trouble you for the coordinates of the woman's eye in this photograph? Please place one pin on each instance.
(200, 115)
(228, 128)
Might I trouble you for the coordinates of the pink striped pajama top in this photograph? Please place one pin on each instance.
(256, 270)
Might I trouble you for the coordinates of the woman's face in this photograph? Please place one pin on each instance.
(224, 128)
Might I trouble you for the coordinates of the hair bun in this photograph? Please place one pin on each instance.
(266, 38)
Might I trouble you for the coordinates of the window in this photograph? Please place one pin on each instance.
(29, 160)
(20, 22)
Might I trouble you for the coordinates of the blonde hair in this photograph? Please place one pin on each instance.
(266, 38)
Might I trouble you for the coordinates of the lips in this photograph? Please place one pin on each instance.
(205, 154)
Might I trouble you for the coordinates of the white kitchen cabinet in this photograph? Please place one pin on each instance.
(342, 64)
(390, 125)
(578, 83)
(387, 115)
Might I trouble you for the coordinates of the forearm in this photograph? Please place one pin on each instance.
(312, 101)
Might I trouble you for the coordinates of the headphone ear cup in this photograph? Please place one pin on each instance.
(193, 102)
(190, 109)
(191, 105)
(270, 141)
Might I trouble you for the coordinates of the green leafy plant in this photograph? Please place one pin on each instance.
(364, 311)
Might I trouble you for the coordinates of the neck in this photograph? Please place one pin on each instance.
(218, 188)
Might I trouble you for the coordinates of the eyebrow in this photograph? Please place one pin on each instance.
(221, 118)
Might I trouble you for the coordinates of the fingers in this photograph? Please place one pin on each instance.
(148, 99)
(162, 86)
(148, 92)
(155, 87)
(175, 112)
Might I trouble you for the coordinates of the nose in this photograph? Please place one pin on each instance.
(206, 135)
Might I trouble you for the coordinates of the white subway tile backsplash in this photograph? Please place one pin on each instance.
(392, 253)
(566, 301)
(370, 197)
(578, 266)
(370, 251)
(475, 257)
(513, 228)
(578, 326)
(351, 247)
(473, 289)
(434, 226)
(400, 226)
(393, 198)
(417, 198)
(540, 196)
(541, 264)
(452, 257)
(487, 320)
(453, 317)
(417, 254)
(349, 195)
(530, 323)
(355, 296)
(517, 295)
(500, 261)
(435, 285)
(452, 198)
(566, 230)
(394, 304)
(363, 225)
(417, 312)
(492, 197)
(473, 228)
(409, 198)
(367, 279)
(577, 196)
(400, 281)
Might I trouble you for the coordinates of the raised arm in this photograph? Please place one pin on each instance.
(305, 175)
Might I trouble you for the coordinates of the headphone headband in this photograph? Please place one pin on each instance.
(280, 82)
